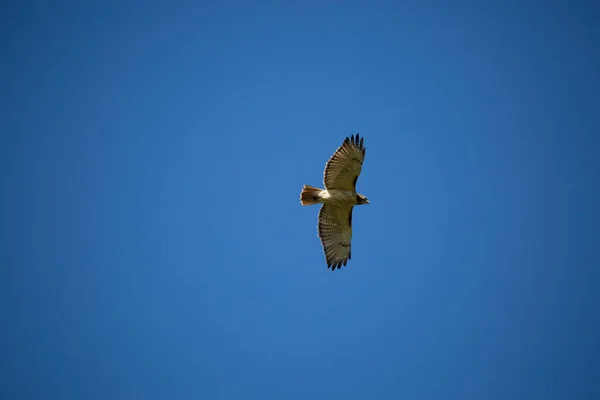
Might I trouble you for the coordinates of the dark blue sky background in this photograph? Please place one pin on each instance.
(154, 247)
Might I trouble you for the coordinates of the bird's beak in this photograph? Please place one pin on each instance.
(368, 202)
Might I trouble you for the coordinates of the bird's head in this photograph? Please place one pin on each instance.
(362, 200)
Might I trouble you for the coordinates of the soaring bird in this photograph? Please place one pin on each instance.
(338, 198)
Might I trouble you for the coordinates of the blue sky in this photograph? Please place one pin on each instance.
(154, 246)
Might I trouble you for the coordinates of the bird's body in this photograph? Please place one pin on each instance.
(338, 199)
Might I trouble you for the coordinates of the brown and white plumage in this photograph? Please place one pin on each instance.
(335, 232)
(338, 198)
(344, 166)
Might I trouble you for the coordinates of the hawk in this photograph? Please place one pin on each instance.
(338, 198)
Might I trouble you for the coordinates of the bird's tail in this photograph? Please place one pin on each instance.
(309, 195)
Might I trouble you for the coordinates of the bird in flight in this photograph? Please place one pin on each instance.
(338, 198)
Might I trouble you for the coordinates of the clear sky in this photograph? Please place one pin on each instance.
(153, 242)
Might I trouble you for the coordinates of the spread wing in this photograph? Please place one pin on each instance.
(335, 232)
(343, 168)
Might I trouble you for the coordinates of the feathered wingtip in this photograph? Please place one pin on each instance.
(357, 142)
(337, 263)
